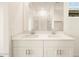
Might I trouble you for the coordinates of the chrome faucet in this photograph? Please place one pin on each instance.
(53, 31)
(32, 32)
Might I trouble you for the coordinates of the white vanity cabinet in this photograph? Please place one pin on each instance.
(22, 48)
(43, 48)
(58, 48)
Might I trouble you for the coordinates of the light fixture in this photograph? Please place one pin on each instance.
(43, 12)
(27, 3)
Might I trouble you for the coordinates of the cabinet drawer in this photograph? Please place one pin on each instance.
(58, 48)
(27, 44)
(58, 52)
(27, 52)
(58, 44)
(27, 48)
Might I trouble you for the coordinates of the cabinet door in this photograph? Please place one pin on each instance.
(27, 48)
(58, 52)
(58, 48)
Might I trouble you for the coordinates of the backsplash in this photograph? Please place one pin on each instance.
(58, 25)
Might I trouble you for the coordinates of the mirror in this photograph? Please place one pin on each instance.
(45, 16)
(41, 16)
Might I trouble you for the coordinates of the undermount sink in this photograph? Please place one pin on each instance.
(58, 34)
(30, 36)
(53, 36)
(40, 35)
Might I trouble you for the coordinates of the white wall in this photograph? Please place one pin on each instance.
(4, 30)
(1, 29)
(71, 27)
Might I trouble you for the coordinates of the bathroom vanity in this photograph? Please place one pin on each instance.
(43, 45)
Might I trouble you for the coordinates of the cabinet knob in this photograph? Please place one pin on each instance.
(59, 52)
(28, 51)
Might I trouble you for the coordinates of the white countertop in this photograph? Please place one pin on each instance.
(57, 36)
